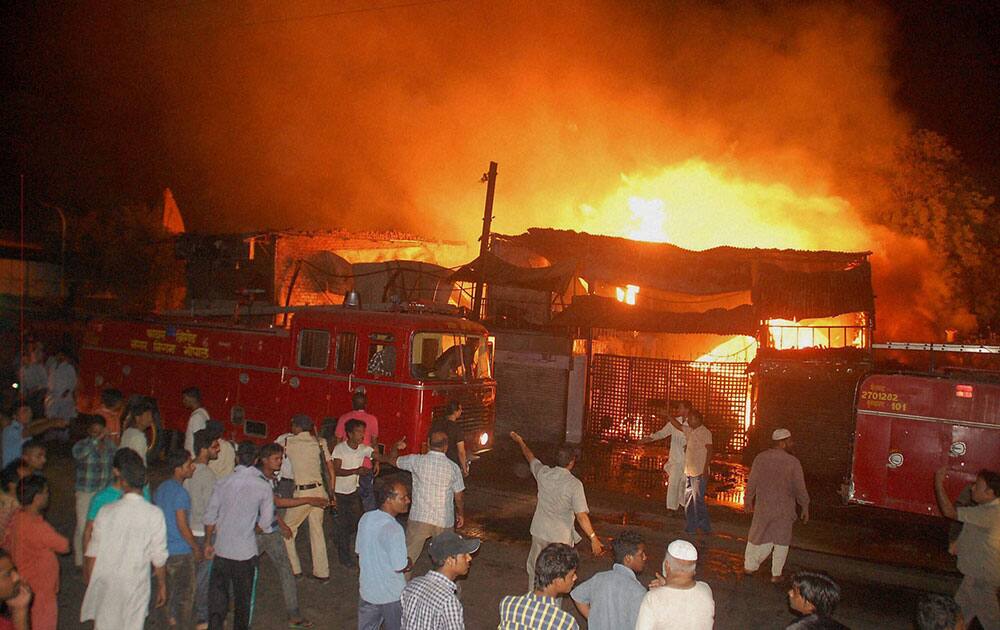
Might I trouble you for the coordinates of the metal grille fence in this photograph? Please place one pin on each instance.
(621, 388)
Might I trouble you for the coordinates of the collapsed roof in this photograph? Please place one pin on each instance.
(780, 283)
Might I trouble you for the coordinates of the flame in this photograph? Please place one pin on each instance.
(627, 294)
(741, 348)
(698, 205)
(843, 331)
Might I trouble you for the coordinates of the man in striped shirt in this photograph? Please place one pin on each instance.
(430, 601)
(555, 574)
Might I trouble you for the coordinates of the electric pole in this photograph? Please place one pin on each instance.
(484, 241)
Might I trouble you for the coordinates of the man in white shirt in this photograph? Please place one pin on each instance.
(683, 603)
(225, 463)
(438, 492)
(191, 399)
(128, 536)
(60, 401)
(200, 487)
(675, 463)
(697, 458)
(348, 464)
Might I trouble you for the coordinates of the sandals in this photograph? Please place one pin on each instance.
(301, 623)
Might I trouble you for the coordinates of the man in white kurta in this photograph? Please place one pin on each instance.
(61, 401)
(129, 535)
(675, 463)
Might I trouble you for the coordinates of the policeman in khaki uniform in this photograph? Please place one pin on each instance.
(308, 454)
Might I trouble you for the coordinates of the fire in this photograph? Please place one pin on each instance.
(698, 205)
(627, 294)
(740, 348)
(843, 331)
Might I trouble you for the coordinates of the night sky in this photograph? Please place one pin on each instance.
(84, 118)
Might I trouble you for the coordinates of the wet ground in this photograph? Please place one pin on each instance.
(882, 562)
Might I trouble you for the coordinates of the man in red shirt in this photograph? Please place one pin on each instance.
(34, 544)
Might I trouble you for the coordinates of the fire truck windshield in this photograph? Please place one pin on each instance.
(450, 356)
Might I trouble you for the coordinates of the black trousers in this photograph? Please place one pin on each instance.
(241, 576)
(348, 515)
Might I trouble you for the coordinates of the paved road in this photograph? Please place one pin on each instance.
(500, 503)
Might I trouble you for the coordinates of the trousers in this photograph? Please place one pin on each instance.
(537, 544)
(82, 506)
(294, 517)
(273, 545)
(241, 576)
(180, 588)
(348, 513)
(755, 555)
(366, 490)
(375, 616)
(978, 598)
(695, 511)
(417, 534)
(203, 571)
(675, 485)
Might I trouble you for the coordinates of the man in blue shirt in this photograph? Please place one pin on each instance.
(174, 500)
(19, 429)
(381, 548)
(239, 503)
(611, 599)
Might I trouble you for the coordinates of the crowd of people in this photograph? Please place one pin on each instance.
(190, 548)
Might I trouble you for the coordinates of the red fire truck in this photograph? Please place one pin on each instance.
(255, 378)
(909, 425)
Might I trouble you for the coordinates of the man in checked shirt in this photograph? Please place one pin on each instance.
(438, 492)
(430, 601)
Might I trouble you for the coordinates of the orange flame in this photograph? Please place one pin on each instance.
(697, 205)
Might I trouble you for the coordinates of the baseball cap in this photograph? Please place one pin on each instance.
(448, 543)
(781, 434)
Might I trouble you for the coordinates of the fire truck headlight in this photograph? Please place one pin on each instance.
(484, 438)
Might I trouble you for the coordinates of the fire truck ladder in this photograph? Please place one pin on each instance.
(937, 347)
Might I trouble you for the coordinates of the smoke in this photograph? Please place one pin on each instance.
(315, 114)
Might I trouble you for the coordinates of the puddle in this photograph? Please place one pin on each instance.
(638, 470)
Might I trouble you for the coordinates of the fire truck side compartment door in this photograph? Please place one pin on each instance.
(916, 449)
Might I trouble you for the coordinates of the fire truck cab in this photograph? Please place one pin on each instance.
(909, 425)
(254, 379)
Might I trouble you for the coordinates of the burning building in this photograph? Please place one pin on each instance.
(300, 268)
(755, 338)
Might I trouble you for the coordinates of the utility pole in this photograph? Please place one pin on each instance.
(484, 241)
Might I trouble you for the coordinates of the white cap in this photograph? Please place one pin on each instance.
(683, 550)
(781, 434)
